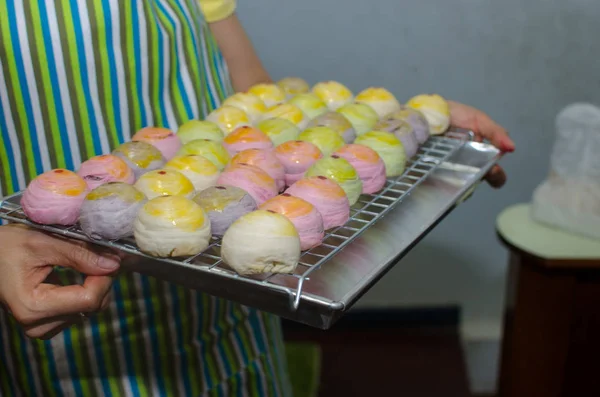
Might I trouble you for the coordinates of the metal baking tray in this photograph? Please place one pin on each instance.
(330, 278)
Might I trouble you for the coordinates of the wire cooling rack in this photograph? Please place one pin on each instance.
(368, 210)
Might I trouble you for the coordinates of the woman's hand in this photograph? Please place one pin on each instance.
(27, 258)
(484, 127)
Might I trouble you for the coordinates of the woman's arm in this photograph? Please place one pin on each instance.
(245, 67)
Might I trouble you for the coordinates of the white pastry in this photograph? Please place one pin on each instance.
(435, 109)
(261, 242)
(198, 169)
(249, 103)
(271, 94)
(293, 86)
(164, 183)
(172, 226)
(288, 112)
(228, 118)
(334, 94)
(379, 99)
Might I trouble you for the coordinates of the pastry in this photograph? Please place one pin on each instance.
(109, 211)
(266, 160)
(278, 130)
(250, 178)
(304, 216)
(141, 157)
(164, 183)
(368, 165)
(252, 105)
(246, 138)
(340, 171)
(388, 147)
(172, 226)
(327, 197)
(271, 94)
(379, 99)
(296, 157)
(54, 197)
(310, 104)
(224, 205)
(325, 138)
(403, 131)
(196, 129)
(435, 109)
(362, 117)
(228, 118)
(416, 119)
(293, 86)
(213, 151)
(161, 138)
(289, 112)
(336, 122)
(334, 94)
(198, 169)
(261, 242)
(105, 168)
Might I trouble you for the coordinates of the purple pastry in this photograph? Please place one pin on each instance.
(403, 131)
(224, 205)
(109, 211)
(415, 119)
(337, 122)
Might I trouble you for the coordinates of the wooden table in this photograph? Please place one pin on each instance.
(551, 344)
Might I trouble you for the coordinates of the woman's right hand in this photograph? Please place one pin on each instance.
(27, 258)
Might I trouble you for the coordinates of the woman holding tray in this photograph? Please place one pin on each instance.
(76, 79)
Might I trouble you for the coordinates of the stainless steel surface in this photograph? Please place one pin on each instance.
(331, 277)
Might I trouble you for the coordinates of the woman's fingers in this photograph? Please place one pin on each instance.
(496, 177)
(495, 133)
(80, 256)
(50, 329)
(48, 301)
(53, 300)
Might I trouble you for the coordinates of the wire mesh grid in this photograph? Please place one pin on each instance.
(363, 214)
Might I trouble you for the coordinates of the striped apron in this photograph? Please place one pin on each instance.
(77, 78)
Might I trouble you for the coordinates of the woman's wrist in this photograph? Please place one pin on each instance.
(244, 65)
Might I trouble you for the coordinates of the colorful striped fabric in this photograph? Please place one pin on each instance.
(77, 78)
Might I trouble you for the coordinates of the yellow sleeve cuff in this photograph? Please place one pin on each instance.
(216, 10)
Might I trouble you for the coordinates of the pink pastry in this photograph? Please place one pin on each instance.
(327, 197)
(54, 198)
(297, 157)
(266, 160)
(246, 137)
(163, 139)
(369, 166)
(105, 168)
(252, 179)
(302, 214)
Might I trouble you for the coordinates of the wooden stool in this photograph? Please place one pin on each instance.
(551, 344)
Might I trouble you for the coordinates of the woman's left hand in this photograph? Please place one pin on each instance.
(464, 116)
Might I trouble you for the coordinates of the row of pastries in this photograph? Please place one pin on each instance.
(269, 171)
